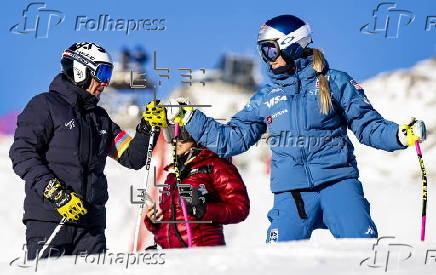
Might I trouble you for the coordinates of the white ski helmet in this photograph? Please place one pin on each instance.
(285, 35)
(83, 61)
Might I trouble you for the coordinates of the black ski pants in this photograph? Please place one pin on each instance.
(70, 240)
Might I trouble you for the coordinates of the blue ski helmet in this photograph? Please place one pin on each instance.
(284, 35)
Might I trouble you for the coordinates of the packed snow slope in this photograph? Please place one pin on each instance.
(392, 183)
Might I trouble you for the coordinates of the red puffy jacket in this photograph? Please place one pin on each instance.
(227, 202)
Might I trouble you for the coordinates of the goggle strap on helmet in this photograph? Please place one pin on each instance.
(81, 59)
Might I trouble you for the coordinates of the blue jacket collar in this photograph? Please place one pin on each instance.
(303, 73)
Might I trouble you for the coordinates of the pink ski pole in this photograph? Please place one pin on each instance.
(178, 181)
(424, 189)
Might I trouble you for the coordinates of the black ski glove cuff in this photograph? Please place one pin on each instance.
(145, 128)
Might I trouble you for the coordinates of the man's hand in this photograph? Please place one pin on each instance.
(67, 203)
(179, 114)
(154, 215)
(414, 130)
(155, 115)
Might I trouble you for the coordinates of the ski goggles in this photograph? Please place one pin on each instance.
(169, 134)
(102, 72)
(269, 50)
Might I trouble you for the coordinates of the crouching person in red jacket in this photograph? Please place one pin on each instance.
(218, 195)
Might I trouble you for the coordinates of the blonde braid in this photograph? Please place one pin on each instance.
(325, 100)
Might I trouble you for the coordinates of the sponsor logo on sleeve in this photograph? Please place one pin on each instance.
(355, 84)
(279, 113)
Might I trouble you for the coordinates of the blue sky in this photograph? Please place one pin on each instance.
(199, 32)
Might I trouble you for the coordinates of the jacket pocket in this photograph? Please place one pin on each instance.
(273, 214)
(331, 156)
(317, 120)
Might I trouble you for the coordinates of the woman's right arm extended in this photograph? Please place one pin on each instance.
(242, 131)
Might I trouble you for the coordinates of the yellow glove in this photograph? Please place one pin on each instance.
(178, 112)
(155, 115)
(73, 208)
(67, 203)
(411, 132)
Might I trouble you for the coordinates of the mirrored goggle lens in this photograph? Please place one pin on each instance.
(269, 51)
(169, 133)
(104, 73)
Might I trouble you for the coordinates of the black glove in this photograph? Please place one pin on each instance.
(145, 128)
(197, 206)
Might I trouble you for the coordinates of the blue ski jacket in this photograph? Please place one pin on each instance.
(308, 147)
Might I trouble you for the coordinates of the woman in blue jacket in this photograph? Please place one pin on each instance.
(306, 108)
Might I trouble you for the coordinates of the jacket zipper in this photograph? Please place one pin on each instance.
(82, 164)
(86, 175)
(171, 215)
(302, 152)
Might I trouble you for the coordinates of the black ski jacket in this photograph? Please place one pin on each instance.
(64, 134)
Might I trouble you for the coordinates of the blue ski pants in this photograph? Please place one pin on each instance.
(341, 207)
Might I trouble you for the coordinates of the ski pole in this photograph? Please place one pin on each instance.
(178, 182)
(145, 197)
(50, 239)
(424, 189)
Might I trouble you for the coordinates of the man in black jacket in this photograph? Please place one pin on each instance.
(60, 149)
